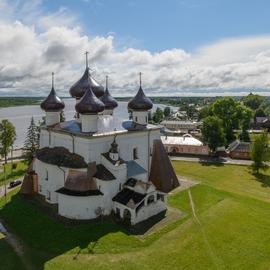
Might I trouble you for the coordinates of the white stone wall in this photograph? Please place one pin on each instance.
(56, 179)
(52, 118)
(79, 207)
(120, 172)
(91, 148)
(109, 190)
(140, 117)
(148, 211)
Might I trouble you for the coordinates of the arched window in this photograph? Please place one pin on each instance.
(135, 153)
(150, 199)
(127, 215)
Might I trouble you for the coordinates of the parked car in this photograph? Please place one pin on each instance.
(15, 183)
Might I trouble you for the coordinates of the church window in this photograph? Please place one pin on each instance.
(47, 175)
(135, 153)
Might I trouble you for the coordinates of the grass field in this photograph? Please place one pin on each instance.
(232, 230)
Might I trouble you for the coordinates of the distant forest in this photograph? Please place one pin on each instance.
(18, 101)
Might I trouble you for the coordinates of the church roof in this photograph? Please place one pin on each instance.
(66, 191)
(140, 102)
(103, 173)
(126, 195)
(133, 168)
(60, 156)
(80, 181)
(162, 174)
(78, 89)
(89, 104)
(52, 103)
(109, 102)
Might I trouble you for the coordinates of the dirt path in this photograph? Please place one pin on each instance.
(17, 246)
(216, 260)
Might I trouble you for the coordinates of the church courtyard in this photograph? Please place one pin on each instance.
(225, 226)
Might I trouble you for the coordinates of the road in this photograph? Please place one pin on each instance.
(2, 188)
(223, 160)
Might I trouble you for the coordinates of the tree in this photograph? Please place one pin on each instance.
(204, 112)
(7, 137)
(260, 152)
(158, 115)
(167, 111)
(225, 109)
(253, 101)
(31, 142)
(62, 116)
(244, 115)
(259, 113)
(213, 133)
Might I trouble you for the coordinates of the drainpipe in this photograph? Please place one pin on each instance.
(49, 138)
(148, 157)
(73, 144)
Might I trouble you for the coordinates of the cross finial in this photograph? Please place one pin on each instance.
(140, 74)
(107, 81)
(52, 79)
(86, 59)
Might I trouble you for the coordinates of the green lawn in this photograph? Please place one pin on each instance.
(12, 174)
(232, 206)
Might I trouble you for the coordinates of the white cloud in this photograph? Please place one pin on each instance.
(31, 49)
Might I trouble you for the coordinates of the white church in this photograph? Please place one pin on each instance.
(97, 164)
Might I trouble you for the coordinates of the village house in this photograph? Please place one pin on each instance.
(182, 126)
(239, 150)
(185, 144)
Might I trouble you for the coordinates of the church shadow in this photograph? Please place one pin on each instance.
(263, 179)
(45, 237)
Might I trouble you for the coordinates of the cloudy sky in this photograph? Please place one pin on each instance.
(182, 47)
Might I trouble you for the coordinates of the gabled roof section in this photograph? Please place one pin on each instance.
(126, 195)
(133, 168)
(162, 174)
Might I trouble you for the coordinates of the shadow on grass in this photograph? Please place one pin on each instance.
(263, 179)
(212, 161)
(46, 237)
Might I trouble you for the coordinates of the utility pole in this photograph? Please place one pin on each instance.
(5, 185)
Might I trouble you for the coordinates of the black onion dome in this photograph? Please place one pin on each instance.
(89, 104)
(109, 102)
(78, 89)
(140, 102)
(52, 103)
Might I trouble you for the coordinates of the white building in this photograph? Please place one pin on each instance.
(97, 165)
(185, 144)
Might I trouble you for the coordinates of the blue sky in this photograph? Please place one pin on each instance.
(182, 47)
(160, 25)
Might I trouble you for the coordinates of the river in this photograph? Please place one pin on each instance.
(20, 116)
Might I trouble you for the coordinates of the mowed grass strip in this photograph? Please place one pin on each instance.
(233, 232)
(233, 178)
